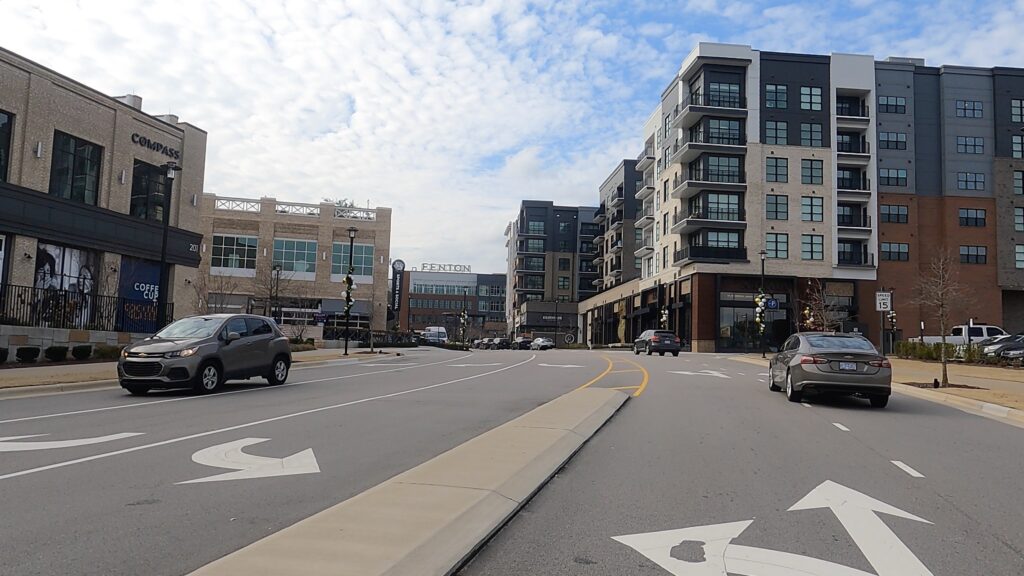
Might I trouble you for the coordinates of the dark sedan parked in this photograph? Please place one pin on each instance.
(659, 341)
(832, 363)
(1015, 342)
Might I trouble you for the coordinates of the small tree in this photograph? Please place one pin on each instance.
(211, 293)
(938, 289)
(820, 309)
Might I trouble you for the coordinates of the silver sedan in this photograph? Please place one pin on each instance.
(827, 362)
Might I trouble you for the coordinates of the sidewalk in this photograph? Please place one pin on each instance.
(41, 374)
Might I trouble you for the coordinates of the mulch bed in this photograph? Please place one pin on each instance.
(950, 385)
(44, 362)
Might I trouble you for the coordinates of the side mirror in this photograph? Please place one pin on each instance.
(232, 336)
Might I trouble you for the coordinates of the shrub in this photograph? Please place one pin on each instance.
(386, 345)
(302, 347)
(106, 352)
(81, 352)
(27, 354)
(56, 353)
(3, 355)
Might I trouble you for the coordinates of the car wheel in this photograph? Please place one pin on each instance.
(208, 379)
(278, 371)
(648, 349)
(791, 393)
(879, 401)
(136, 389)
(676, 354)
(636, 349)
(661, 353)
(771, 380)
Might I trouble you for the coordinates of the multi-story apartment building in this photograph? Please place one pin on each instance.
(289, 261)
(550, 260)
(834, 169)
(438, 299)
(619, 243)
(83, 178)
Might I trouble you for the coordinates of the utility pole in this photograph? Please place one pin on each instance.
(161, 296)
(348, 284)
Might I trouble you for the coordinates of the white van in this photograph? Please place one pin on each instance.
(435, 335)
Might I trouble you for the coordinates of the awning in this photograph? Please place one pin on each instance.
(333, 306)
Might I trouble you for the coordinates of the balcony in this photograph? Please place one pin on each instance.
(617, 273)
(599, 282)
(598, 237)
(645, 189)
(856, 152)
(712, 254)
(645, 160)
(616, 222)
(854, 188)
(532, 233)
(697, 105)
(599, 259)
(698, 142)
(645, 218)
(855, 222)
(717, 181)
(616, 247)
(852, 114)
(617, 199)
(643, 250)
(855, 260)
(525, 248)
(599, 215)
(730, 219)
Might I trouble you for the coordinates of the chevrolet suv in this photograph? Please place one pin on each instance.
(201, 352)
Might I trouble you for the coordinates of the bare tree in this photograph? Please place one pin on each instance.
(938, 289)
(820, 309)
(211, 293)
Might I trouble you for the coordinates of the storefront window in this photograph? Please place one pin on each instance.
(295, 255)
(75, 169)
(147, 191)
(65, 282)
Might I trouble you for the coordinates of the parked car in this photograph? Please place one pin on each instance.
(659, 341)
(201, 352)
(958, 335)
(828, 362)
(522, 343)
(1015, 342)
(485, 344)
(501, 344)
(542, 344)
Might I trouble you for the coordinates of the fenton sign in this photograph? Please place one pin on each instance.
(428, 267)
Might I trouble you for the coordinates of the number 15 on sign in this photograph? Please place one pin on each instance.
(883, 301)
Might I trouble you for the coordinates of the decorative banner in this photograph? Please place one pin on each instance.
(63, 269)
(398, 272)
(138, 286)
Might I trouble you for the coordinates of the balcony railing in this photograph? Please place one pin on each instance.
(705, 175)
(854, 221)
(854, 147)
(617, 219)
(616, 198)
(707, 137)
(715, 100)
(647, 153)
(852, 110)
(297, 209)
(706, 213)
(71, 309)
(349, 213)
(853, 183)
(856, 259)
(237, 205)
(710, 252)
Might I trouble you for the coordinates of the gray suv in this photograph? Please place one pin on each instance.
(201, 352)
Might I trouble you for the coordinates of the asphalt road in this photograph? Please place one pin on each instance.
(720, 455)
(130, 504)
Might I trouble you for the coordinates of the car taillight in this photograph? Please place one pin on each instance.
(813, 360)
(677, 340)
(880, 363)
(655, 339)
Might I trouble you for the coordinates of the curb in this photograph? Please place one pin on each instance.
(966, 404)
(429, 520)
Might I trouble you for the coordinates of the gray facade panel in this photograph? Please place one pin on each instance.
(899, 82)
(967, 85)
(795, 71)
(927, 106)
(1008, 85)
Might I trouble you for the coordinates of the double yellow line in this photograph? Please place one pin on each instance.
(638, 390)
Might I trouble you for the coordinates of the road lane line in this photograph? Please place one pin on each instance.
(137, 404)
(251, 424)
(625, 388)
(907, 469)
(805, 404)
(840, 426)
(601, 375)
(643, 384)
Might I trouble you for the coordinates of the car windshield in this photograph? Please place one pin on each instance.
(195, 327)
(827, 342)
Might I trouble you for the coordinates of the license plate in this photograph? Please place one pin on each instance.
(848, 366)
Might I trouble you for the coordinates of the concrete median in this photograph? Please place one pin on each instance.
(428, 520)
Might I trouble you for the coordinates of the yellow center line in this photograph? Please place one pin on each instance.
(601, 375)
(647, 378)
(622, 371)
(625, 388)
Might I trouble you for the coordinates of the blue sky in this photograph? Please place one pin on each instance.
(450, 112)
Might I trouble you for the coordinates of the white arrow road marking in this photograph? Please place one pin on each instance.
(701, 373)
(857, 513)
(7, 446)
(560, 365)
(230, 455)
(472, 365)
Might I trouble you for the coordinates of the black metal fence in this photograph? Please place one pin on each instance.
(380, 337)
(50, 308)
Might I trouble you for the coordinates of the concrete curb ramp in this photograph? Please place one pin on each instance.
(428, 520)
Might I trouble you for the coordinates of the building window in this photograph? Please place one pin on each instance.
(535, 227)
(892, 140)
(563, 246)
(564, 227)
(637, 263)
(776, 132)
(1019, 256)
(892, 104)
(892, 176)
(534, 245)
(723, 239)
(6, 129)
(1018, 219)
(777, 207)
(775, 96)
(534, 263)
(563, 283)
(723, 131)
(973, 255)
(812, 247)
(723, 94)
(970, 181)
(1018, 182)
(778, 170)
(586, 247)
(810, 134)
(812, 208)
(295, 255)
(1016, 110)
(233, 252)
(810, 98)
(970, 144)
(148, 184)
(75, 169)
(811, 171)
(664, 256)
(1018, 146)
(968, 108)
(534, 282)
(894, 213)
(895, 251)
(972, 217)
(564, 264)
(362, 262)
(777, 245)
(638, 235)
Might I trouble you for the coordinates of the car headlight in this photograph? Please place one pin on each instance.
(989, 349)
(183, 353)
(124, 352)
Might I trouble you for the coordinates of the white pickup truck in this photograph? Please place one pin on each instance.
(978, 332)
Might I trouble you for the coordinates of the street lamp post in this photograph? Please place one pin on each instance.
(161, 297)
(556, 321)
(764, 254)
(275, 306)
(348, 284)
(465, 314)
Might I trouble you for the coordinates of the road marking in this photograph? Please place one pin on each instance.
(183, 398)
(601, 375)
(7, 446)
(256, 423)
(763, 374)
(560, 365)
(840, 426)
(623, 371)
(643, 383)
(625, 388)
(805, 404)
(741, 373)
(230, 455)
(701, 373)
(857, 513)
(475, 365)
(907, 469)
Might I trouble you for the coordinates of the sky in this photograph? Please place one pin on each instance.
(450, 112)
